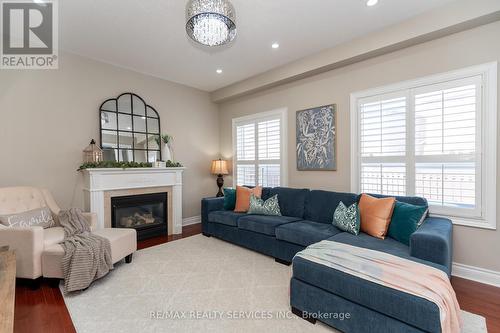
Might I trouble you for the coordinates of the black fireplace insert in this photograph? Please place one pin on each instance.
(146, 213)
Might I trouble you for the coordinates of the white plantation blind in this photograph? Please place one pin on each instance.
(245, 138)
(445, 120)
(425, 141)
(269, 139)
(383, 127)
(447, 142)
(258, 150)
(383, 143)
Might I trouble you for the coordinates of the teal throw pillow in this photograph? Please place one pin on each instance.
(269, 207)
(406, 219)
(229, 198)
(347, 218)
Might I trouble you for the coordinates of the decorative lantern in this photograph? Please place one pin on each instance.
(92, 153)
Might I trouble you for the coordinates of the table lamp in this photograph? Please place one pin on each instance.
(219, 168)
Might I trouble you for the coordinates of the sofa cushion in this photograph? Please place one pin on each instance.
(243, 197)
(320, 205)
(305, 233)
(291, 200)
(52, 236)
(226, 217)
(417, 201)
(375, 215)
(347, 218)
(263, 224)
(405, 220)
(261, 207)
(38, 217)
(229, 198)
(123, 241)
(387, 245)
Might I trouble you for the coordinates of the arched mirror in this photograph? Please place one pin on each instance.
(130, 130)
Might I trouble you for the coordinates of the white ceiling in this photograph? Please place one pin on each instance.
(148, 36)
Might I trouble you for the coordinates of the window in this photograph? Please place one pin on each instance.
(259, 149)
(435, 138)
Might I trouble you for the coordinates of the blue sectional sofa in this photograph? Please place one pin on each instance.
(316, 289)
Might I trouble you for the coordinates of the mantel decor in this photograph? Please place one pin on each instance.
(130, 130)
(124, 165)
(92, 153)
(316, 138)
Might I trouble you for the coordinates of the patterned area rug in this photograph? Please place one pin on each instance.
(197, 284)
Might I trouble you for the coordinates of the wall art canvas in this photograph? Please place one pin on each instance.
(316, 138)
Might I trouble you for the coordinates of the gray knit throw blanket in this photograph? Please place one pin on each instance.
(87, 257)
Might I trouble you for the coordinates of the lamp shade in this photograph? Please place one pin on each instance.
(219, 167)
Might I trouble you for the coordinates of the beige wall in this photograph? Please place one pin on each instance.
(476, 247)
(47, 117)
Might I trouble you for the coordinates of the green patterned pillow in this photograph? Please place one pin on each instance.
(261, 207)
(347, 218)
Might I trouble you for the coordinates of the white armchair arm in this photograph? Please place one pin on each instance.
(28, 246)
(91, 219)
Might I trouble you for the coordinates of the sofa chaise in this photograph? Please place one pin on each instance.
(316, 289)
(38, 252)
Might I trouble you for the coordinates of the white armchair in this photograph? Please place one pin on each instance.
(38, 252)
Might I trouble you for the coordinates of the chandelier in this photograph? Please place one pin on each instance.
(211, 22)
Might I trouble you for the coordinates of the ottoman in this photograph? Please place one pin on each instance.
(123, 244)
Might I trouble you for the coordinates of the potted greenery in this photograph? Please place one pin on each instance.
(167, 149)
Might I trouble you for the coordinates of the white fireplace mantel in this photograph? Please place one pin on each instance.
(99, 181)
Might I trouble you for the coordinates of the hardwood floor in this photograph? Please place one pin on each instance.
(43, 310)
(481, 299)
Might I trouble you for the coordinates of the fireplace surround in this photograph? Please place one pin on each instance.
(146, 213)
(102, 185)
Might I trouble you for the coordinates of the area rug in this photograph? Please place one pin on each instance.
(197, 284)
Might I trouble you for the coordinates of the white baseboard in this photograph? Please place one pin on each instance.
(477, 274)
(191, 220)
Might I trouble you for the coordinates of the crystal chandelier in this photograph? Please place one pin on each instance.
(211, 22)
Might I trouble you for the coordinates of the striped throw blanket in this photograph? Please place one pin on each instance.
(394, 272)
(87, 257)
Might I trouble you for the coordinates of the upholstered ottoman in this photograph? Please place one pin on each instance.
(123, 245)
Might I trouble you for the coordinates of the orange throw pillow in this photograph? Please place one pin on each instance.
(375, 215)
(243, 197)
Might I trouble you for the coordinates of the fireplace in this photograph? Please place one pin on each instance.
(146, 213)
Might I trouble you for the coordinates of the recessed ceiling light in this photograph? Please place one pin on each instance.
(129, 128)
(275, 45)
(219, 71)
(371, 3)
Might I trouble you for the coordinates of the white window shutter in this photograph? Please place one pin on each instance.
(258, 151)
(438, 152)
(245, 146)
(383, 127)
(269, 139)
(445, 121)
